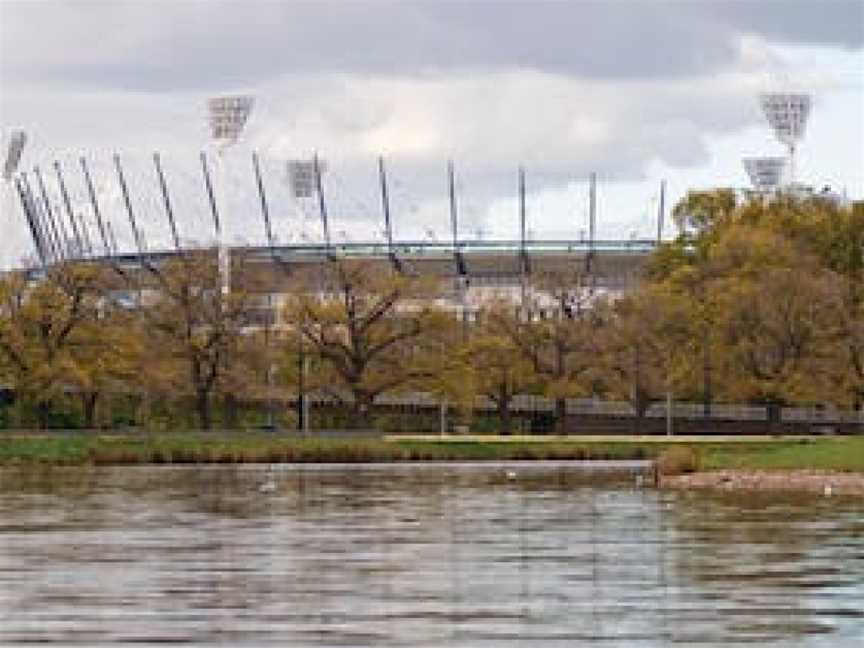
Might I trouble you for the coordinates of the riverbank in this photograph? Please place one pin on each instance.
(812, 481)
(839, 454)
(119, 449)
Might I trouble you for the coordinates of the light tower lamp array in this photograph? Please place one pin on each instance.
(765, 173)
(17, 141)
(787, 114)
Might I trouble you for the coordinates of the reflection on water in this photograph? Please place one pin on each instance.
(419, 555)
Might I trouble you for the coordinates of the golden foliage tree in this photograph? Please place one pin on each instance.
(776, 290)
(53, 336)
(647, 346)
(499, 368)
(195, 328)
(369, 327)
(556, 332)
(774, 330)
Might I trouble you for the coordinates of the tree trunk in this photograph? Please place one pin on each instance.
(43, 413)
(89, 401)
(560, 372)
(361, 410)
(231, 411)
(504, 412)
(774, 410)
(707, 391)
(142, 416)
(561, 415)
(202, 406)
(642, 405)
(637, 388)
(859, 407)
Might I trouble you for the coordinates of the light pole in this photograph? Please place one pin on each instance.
(17, 140)
(227, 117)
(302, 400)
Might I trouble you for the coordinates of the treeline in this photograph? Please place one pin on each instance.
(761, 303)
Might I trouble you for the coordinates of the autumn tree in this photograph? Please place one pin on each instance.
(556, 333)
(702, 213)
(840, 245)
(500, 369)
(106, 353)
(44, 325)
(849, 350)
(368, 326)
(775, 287)
(646, 346)
(196, 329)
(447, 366)
(774, 330)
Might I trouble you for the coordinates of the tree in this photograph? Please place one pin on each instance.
(841, 248)
(851, 344)
(646, 346)
(556, 333)
(701, 213)
(447, 365)
(106, 353)
(197, 330)
(500, 368)
(774, 331)
(369, 327)
(840, 355)
(731, 252)
(42, 324)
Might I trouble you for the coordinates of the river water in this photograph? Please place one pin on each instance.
(468, 555)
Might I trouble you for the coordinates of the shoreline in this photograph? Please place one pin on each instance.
(725, 463)
(820, 482)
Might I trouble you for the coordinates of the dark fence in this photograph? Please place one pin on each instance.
(423, 413)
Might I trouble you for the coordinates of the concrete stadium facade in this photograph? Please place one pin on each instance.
(470, 273)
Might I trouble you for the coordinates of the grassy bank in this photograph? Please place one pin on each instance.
(192, 449)
(830, 453)
(844, 454)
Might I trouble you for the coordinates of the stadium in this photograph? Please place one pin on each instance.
(108, 220)
(111, 217)
(126, 216)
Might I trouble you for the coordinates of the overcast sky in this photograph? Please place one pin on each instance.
(636, 91)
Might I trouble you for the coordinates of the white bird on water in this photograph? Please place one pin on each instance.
(269, 484)
(511, 474)
(828, 490)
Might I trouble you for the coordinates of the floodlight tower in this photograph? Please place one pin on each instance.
(787, 114)
(765, 173)
(17, 140)
(227, 116)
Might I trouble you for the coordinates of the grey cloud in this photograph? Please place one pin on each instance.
(560, 129)
(826, 22)
(188, 45)
(565, 89)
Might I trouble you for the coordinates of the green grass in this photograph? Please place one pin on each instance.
(829, 453)
(715, 453)
(184, 449)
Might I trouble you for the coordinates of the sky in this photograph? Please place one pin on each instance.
(638, 92)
